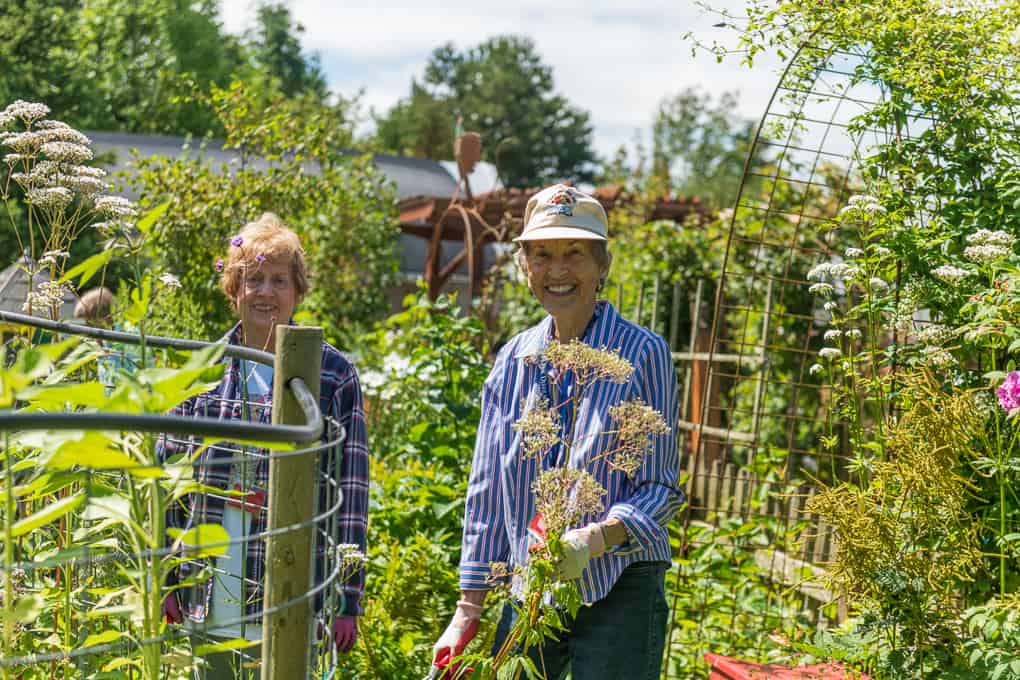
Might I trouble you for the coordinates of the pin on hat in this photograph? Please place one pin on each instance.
(560, 211)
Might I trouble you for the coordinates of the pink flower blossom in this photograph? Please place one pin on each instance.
(1009, 391)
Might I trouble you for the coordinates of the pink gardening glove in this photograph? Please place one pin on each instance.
(172, 609)
(345, 632)
(461, 631)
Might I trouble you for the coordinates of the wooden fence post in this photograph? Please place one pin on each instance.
(292, 484)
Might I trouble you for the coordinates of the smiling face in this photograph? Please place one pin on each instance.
(564, 275)
(267, 296)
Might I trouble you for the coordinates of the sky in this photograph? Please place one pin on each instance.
(615, 60)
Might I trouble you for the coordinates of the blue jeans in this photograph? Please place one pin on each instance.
(620, 636)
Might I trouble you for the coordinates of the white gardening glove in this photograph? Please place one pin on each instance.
(580, 546)
(461, 631)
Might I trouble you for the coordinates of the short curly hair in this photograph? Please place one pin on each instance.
(266, 238)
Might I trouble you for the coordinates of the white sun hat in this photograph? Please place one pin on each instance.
(560, 211)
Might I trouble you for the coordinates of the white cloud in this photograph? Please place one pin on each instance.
(616, 63)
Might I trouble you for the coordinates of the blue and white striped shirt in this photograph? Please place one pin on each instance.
(500, 502)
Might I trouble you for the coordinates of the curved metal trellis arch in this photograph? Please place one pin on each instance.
(755, 448)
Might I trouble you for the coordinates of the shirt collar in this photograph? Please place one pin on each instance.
(597, 333)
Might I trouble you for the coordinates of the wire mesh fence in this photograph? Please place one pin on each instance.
(136, 523)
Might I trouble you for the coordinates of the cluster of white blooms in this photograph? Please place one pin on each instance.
(115, 206)
(49, 198)
(950, 274)
(986, 237)
(882, 251)
(816, 369)
(853, 334)
(988, 246)
(169, 281)
(861, 206)
(27, 112)
(26, 143)
(66, 152)
(830, 307)
(986, 254)
(829, 353)
(51, 257)
(934, 334)
(854, 252)
(49, 295)
(938, 357)
(823, 289)
(878, 285)
(15, 158)
(832, 335)
(835, 271)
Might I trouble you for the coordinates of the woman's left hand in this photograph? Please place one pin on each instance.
(345, 632)
(579, 547)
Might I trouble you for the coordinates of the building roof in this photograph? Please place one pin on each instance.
(410, 176)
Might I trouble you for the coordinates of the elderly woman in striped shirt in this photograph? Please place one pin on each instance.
(620, 559)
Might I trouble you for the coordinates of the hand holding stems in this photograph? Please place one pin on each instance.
(460, 632)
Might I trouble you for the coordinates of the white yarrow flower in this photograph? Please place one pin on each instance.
(853, 334)
(28, 112)
(986, 254)
(816, 369)
(829, 353)
(854, 252)
(830, 306)
(169, 280)
(66, 152)
(950, 274)
(823, 289)
(14, 158)
(49, 198)
(985, 237)
(878, 285)
(115, 206)
(832, 335)
(22, 142)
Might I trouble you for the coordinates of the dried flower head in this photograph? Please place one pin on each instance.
(587, 363)
(636, 424)
(565, 495)
(539, 428)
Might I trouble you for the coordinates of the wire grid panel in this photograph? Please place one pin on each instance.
(82, 584)
(749, 578)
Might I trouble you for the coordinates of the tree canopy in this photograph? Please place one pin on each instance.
(503, 90)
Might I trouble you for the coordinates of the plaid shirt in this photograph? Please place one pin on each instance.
(500, 501)
(340, 401)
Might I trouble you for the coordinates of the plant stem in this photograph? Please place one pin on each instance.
(9, 508)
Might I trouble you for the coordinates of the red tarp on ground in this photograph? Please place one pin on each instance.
(724, 668)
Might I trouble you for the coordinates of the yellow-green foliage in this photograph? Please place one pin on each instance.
(908, 525)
